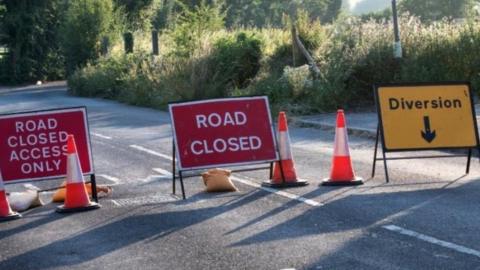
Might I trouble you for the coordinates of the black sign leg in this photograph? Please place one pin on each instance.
(93, 182)
(375, 152)
(173, 167)
(181, 183)
(271, 170)
(385, 165)
(468, 161)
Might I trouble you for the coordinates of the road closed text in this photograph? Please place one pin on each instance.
(37, 145)
(222, 145)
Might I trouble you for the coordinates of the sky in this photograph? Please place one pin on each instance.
(365, 6)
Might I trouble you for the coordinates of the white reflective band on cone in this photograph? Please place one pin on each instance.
(341, 143)
(74, 171)
(284, 143)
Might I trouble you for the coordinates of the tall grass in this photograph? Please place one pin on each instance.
(352, 56)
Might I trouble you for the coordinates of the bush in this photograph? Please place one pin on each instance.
(132, 78)
(236, 61)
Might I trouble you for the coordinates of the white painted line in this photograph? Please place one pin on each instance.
(100, 136)
(432, 240)
(116, 203)
(277, 192)
(162, 172)
(244, 181)
(156, 177)
(143, 149)
(115, 180)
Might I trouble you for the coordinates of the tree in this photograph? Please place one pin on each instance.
(432, 10)
(263, 13)
(164, 15)
(384, 15)
(2, 14)
(138, 13)
(29, 31)
(86, 23)
(326, 11)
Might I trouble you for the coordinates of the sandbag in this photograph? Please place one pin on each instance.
(217, 180)
(21, 201)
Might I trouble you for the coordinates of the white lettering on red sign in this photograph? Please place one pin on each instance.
(217, 120)
(33, 134)
(222, 145)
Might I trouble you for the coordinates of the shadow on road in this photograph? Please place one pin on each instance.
(46, 217)
(363, 209)
(110, 237)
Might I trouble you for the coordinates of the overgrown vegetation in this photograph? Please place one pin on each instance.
(352, 56)
(203, 56)
(30, 31)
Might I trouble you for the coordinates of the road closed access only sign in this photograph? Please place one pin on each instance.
(215, 133)
(422, 117)
(33, 144)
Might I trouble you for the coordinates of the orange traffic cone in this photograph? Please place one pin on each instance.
(342, 173)
(284, 173)
(76, 197)
(6, 212)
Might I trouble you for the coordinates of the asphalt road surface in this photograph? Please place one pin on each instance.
(427, 217)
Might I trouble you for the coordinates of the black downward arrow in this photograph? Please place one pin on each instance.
(428, 135)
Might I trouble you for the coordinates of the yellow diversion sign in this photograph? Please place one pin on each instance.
(422, 117)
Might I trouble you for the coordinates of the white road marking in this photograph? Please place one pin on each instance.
(151, 152)
(155, 177)
(163, 172)
(432, 240)
(244, 181)
(278, 192)
(100, 136)
(116, 203)
(115, 180)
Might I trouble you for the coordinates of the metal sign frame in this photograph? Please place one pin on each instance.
(181, 172)
(380, 135)
(90, 173)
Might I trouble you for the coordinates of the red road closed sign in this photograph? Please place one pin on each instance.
(33, 144)
(215, 133)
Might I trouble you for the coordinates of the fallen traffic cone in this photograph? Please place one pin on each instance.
(342, 173)
(6, 212)
(284, 173)
(76, 196)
